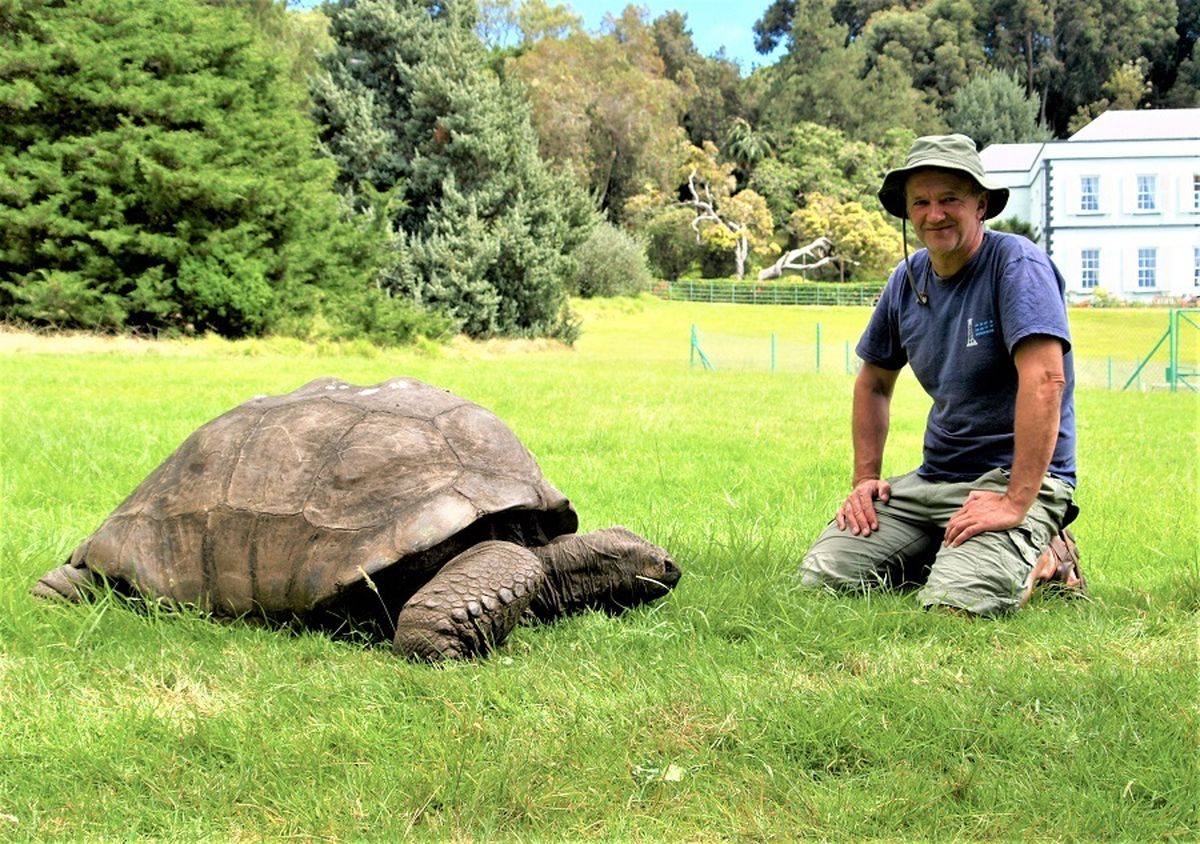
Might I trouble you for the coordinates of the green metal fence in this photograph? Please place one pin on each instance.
(752, 293)
(1180, 372)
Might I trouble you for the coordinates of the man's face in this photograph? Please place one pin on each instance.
(947, 216)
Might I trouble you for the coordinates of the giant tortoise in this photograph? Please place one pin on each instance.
(398, 507)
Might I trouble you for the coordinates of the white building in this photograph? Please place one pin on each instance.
(1117, 206)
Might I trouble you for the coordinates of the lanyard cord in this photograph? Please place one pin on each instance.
(922, 296)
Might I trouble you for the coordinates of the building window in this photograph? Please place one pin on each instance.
(1089, 268)
(1147, 187)
(1196, 192)
(1196, 266)
(1147, 267)
(1089, 193)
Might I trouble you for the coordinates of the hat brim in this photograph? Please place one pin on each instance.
(891, 194)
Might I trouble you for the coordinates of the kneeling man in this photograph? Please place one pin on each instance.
(980, 316)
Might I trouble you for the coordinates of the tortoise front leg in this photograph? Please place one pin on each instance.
(471, 605)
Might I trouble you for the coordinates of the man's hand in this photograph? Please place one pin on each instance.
(858, 511)
(982, 511)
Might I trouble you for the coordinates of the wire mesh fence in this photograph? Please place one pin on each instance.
(729, 352)
(1171, 364)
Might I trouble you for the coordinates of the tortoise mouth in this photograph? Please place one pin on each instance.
(671, 573)
(658, 584)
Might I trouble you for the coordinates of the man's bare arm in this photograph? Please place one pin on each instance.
(871, 419)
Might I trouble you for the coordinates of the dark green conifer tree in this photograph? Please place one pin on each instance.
(411, 112)
(157, 172)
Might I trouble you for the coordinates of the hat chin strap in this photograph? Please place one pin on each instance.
(922, 296)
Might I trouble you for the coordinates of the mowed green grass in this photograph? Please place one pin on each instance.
(736, 709)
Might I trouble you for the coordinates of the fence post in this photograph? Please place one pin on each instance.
(698, 352)
(818, 348)
(1173, 327)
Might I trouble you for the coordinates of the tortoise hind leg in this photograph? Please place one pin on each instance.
(66, 583)
(471, 605)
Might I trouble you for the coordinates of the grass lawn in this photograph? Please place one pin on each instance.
(738, 708)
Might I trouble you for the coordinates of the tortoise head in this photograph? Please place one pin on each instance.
(611, 570)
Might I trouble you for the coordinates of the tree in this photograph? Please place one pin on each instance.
(604, 109)
(813, 159)
(1019, 36)
(1067, 50)
(855, 14)
(1127, 89)
(993, 108)
(503, 23)
(158, 174)
(1185, 88)
(611, 262)
(746, 145)
(665, 225)
(935, 44)
(712, 86)
(864, 239)
(410, 111)
(1177, 82)
(728, 221)
(810, 256)
(847, 59)
(829, 82)
(775, 26)
(300, 36)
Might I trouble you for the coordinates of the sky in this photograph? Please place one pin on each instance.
(714, 23)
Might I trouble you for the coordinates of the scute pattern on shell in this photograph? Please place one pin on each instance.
(284, 501)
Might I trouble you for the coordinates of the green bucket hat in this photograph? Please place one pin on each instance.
(945, 152)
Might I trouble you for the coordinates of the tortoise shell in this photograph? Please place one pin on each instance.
(284, 503)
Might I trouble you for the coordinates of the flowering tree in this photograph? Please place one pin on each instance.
(735, 221)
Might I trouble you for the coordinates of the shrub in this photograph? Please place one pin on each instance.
(671, 248)
(610, 263)
(373, 314)
(62, 300)
(716, 261)
(1015, 225)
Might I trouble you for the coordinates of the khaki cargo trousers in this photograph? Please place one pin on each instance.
(986, 575)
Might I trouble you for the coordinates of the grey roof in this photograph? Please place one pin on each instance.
(1020, 158)
(1141, 125)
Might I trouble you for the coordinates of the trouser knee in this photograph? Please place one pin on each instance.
(834, 563)
(819, 571)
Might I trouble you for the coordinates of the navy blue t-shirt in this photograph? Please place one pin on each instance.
(960, 348)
